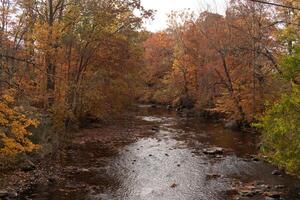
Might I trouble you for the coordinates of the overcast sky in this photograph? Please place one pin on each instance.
(164, 7)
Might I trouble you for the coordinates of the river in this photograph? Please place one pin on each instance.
(158, 155)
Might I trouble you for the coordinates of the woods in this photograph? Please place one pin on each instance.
(225, 63)
(65, 64)
(233, 64)
(69, 59)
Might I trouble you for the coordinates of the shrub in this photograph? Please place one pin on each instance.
(14, 127)
(281, 131)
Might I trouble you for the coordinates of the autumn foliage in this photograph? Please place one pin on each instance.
(221, 63)
(70, 62)
(244, 65)
(75, 62)
(14, 127)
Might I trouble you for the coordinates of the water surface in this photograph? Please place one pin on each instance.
(158, 155)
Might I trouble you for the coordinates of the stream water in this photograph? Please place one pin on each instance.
(158, 155)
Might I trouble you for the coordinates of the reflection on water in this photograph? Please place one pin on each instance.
(167, 164)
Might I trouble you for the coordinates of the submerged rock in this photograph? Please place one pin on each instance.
(213, 151)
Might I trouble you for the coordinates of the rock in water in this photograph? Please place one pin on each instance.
(3, 193)
(212, 176)
(213, 151)
(84, 170)
(232, 125)
(13, 195)
(274, 195)
(247, 193)
(279, 187)
(276, 173)
(155, 128)
(169, 107)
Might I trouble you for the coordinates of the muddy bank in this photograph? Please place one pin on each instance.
(159, 155)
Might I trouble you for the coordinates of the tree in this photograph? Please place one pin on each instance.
(66, 57)
(14, 125)
(158, 56)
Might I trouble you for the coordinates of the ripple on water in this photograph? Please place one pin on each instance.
(168, 165)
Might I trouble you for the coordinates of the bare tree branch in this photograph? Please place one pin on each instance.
(275, 4)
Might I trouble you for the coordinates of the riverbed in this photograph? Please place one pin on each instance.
(156, 154)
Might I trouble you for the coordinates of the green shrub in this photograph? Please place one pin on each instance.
(281, 132)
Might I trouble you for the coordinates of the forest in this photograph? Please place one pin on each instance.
(67, 66)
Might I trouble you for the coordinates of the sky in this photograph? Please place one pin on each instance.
(164, 7)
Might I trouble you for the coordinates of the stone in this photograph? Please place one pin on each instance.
(219, 156)
(213, 151)
(179, 109)
(269, 198)
(233, 124)
(84, 170)
(274, 195)
(13, 194)
(52, 180)
(3, 193)
(232, 192)
(247, 193)
(254, 158)
(212, 176)
(173, 185)
(276, 173)
(155, 128)
(259, 182)
(279, 186)
(265, 186)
